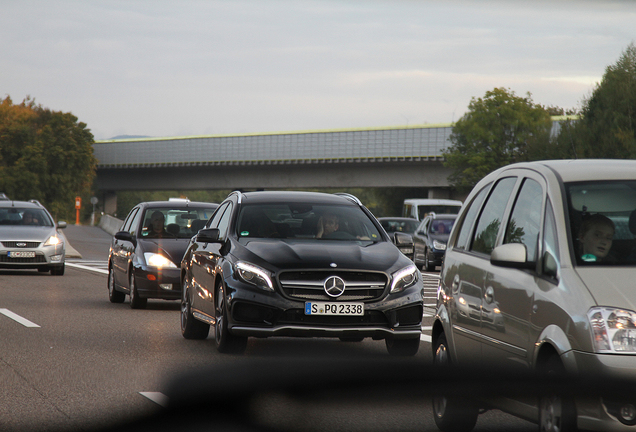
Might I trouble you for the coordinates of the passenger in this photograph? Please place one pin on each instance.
(29, 219)
(156, 228)
(596, 235)
(327, 224)
(441, 228)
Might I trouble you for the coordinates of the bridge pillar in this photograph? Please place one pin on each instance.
(110, 202)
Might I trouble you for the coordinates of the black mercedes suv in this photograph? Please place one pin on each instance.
(299, 264)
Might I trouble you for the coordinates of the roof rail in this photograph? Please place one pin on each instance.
(179, 199)
(238, 193)
(349, 197)
(36, 202)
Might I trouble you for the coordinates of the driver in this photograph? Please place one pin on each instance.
(327, 224)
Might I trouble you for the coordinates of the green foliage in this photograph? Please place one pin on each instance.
(498, 129)
(608, 116)
(44, 155)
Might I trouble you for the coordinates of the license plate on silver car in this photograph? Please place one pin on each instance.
(325, 308)
(21, 254)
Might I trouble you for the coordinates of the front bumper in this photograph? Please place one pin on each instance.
(45, 258)
(152, 282)
(258, 313)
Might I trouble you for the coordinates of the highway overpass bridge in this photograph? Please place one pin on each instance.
(408, 156)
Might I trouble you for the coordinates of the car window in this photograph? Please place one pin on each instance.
(129, 219)
(550, 261)
(25, 216)
(441, 226)
(491, 216)
(224, 222)
(467, 224)
(134, 223)
(603, 222)
(306, 221)
(214, 223)
(177, 222)
(525, 219)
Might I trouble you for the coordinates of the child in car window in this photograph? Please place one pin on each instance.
(596, 235)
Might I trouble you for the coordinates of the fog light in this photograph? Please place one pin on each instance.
(628, 413)
(56, 258)
(165, 286)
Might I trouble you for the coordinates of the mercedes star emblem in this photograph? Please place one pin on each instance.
(334, 286)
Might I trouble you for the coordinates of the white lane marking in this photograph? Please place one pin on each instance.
(426, 338)
(25, 322)
(83, 267)
(156, 397)
(430, 305)
(427, 328)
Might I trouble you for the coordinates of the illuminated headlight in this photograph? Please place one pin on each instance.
(439, 245)
(254, 275)
(614, 330)
(53, 241)
(404, 278)
(158, 260)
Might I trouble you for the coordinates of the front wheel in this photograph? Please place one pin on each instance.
(557, 413)
(402, 347)
(225, 342)
(113, 295)
(136, 302)
(57, 270)
(451, 414)
(191, 328)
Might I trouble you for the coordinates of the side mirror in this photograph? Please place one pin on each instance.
(208, 235)
(404, 243)
(61, 225)
(513, 255)
(124, 236)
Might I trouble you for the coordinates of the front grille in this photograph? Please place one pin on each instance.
(20, 244)
(309, 285)
(38, 259)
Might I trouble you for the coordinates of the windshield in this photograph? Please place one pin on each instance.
(603, 222)
(405, 226)
(425, 210)
(24, 216)
(174, 222)
(306, 221)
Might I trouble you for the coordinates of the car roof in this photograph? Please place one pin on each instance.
(177, 204)
(21, 204)
(433, 201)
(295, 196)
(573, 170)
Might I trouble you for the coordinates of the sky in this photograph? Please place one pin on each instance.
(187, 68)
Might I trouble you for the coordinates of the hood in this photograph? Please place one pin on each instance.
(610, 286)
(440, 237)
(26, 233)
(293, 254)
(173, 248)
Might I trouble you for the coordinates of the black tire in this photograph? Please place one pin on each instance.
(225, 342)
(451, 414)
(402, 347)
(113, 295)
(191, 328)
(556, 413)
(427, 264)
(136, 302)
(58, 270)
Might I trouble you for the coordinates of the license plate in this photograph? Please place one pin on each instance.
(324, 308)
(21, 254)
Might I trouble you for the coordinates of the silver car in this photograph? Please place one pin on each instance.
(550, 249)
(29, 238)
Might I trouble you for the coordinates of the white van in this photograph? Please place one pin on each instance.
(418, 208)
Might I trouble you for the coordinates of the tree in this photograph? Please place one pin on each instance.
(608, 116)
(498, 129)
(44, 155)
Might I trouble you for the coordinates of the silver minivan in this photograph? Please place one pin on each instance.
(547, 252)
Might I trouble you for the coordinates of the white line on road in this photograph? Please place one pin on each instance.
(426, 338)
(156, 397)
(83, 267)
(25, 322)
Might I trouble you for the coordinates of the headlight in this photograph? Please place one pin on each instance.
(614, 330)
(255, 275)
(439, 245)
(53, 241)
(404, 278)
(158, 260)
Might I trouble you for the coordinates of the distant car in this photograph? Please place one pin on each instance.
(29, 238)
(429, 240)
(539, 276)
(403, 225)
(419, 208)
(299, 264)
(145, 255)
